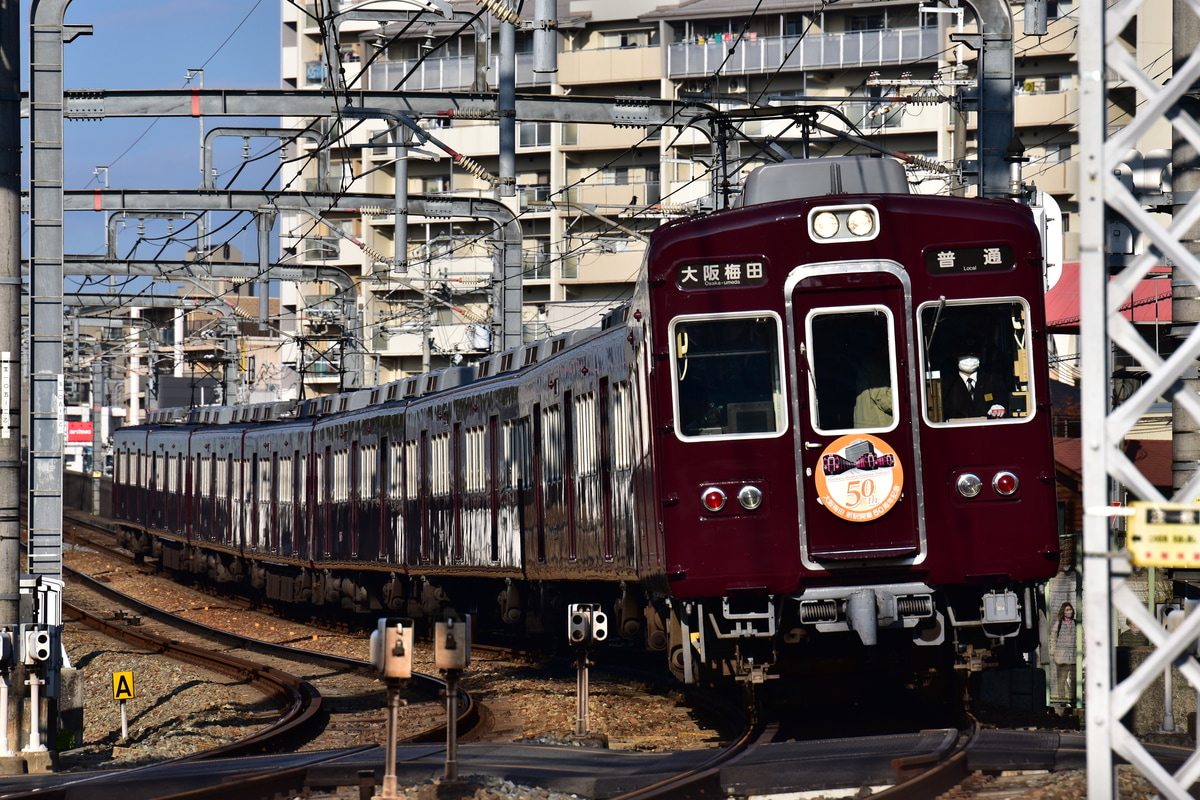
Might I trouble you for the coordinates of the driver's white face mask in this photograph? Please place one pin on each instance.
(968, 364)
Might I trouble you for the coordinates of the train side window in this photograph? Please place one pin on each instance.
(851, 355)
(976, 361)
(727, 376)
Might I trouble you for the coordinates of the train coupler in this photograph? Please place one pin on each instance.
(755, 673)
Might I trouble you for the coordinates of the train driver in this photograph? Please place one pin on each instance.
(970, 393)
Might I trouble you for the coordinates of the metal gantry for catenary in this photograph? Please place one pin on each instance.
(1103, 291)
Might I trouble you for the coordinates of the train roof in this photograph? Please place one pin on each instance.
(409, 388)
(817, 177)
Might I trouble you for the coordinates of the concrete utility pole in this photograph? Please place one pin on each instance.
(10, 342)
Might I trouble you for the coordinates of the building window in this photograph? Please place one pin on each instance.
(1059, 9)
(534, 134)
(639, 38)
(616, 176)
(1044, 84)
(867, 22)
(1057, 153)
(436, 184)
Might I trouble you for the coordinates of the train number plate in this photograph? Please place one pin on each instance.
(1164, 534)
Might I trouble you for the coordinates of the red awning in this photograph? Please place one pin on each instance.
(1151, 301)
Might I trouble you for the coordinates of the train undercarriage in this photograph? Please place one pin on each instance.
(748, 639)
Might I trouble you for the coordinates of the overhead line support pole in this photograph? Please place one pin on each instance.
(10, 352)
(49, 35)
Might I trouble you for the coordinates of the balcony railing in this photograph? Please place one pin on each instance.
(321, 365)
(814, 51)
(447, 74)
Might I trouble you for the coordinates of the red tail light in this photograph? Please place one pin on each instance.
(1005, 483)
(713, 498)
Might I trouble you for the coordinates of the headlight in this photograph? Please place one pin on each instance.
(860, 222)
(825, 225)
(969, 485)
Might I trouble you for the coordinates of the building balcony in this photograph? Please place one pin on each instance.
(816, 51)
(453, 337)
(610, 65)
(1037, 110)
(614, 261)
(614, 198)
(446, 74)
(581, 136)
(321, 365)
(1061, 178)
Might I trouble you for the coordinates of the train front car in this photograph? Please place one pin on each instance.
(854, 455)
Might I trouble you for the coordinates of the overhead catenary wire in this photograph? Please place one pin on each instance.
(593, 234)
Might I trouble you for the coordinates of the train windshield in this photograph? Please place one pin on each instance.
(727, 376)
(853, 368)
(976, 361)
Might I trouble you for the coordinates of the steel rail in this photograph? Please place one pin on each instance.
(300, 700)
(704, 780)
(933, 775)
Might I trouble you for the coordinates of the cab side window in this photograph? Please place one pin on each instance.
(727, 376)
(976, 361)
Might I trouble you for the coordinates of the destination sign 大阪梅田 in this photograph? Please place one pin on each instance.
(720, 275)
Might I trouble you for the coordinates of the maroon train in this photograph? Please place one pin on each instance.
(768, 455)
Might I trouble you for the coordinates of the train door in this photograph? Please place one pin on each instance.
(856, 428)
(493, 476)
(299, 500)
(276, 488)
(355, 496)
(386, 522)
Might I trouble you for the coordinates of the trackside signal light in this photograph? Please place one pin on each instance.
(969, 485)
(1005, 483)
(713, 498)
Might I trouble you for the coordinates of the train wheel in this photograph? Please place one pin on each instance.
(675, 660)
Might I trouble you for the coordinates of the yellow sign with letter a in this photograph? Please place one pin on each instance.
(122, 685)
(1164, 534)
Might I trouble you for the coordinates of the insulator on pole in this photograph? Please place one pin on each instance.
(501, 10)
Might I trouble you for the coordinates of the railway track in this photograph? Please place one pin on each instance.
(924, 774)
(324, 695)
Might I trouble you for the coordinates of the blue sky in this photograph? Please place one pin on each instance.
(151, 44)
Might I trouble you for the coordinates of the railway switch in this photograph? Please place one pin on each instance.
(392, 647)
(452, 643)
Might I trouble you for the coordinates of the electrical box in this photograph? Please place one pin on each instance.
(392, 647)
(36, 649)
(452, 643)
(586, 624)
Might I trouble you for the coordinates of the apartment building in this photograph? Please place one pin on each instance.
(586, 196)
